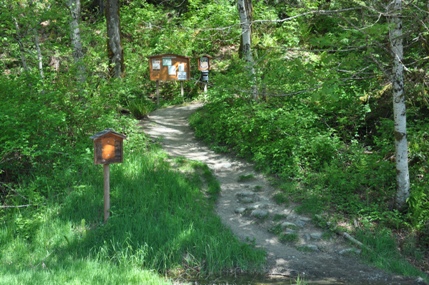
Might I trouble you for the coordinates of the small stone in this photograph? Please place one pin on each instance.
(290, 231)
(349, 250)
(259, 213)
(316, 236)
(311, 247)
(246, 197)
(288, 225)
(221, 166)
(240, 210)
(262, 206)
(300, 223)
(246, 200)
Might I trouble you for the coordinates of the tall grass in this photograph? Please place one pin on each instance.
(384, 253)
(161, 222)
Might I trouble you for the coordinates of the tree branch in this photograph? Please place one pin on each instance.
(315, 12)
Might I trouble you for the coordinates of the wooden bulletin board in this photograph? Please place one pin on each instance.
(167, 67)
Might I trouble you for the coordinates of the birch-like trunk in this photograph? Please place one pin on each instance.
(75, 9)
(39, 52)
(114, 47)
(37, 44)
(245, 12)
(399, 108)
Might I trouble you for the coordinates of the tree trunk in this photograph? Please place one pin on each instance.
(37, 44)
(399, 108)
(21, 46)
(75, 8)
(245, 12)
(114, 47)
(39, 52)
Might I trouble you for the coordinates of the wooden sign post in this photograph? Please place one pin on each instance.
(169, 67)
(107, 149)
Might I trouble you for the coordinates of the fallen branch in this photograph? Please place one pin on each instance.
(343, 234)
(315, 12)
(353, 240)
(19, 206)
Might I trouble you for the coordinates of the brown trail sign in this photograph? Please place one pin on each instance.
(107, 149)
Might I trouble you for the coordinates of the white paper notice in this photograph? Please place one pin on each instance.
(181, 67)
(156, 64)
(172, 70)
(166, 61)
(181, 75)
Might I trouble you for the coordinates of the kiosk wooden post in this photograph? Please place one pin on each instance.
(106, 171)
(157, 92)
(107, 149)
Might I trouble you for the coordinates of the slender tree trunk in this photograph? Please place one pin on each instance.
(245, 12)
(39, 52)
(399, 108)
(75, 9)
(37, 44)
(114, 47)
(21, 46)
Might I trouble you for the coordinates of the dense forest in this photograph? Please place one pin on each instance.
(313, 92)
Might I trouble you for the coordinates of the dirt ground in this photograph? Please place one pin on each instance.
(245, 205)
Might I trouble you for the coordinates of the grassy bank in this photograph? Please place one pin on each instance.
(162, 223)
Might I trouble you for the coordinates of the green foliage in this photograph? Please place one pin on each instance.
(44, 125)
(419, 208)
(139, 108)
(253, 130)
(160, 220)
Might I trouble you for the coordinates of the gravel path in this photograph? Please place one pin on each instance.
(246, 206)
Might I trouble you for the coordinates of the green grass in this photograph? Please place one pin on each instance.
(246, 177)
(384, 253)
(161, 222)
(288, 238)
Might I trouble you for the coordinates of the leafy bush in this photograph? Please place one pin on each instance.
(284, 140)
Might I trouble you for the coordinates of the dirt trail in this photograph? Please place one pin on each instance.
(246, 206)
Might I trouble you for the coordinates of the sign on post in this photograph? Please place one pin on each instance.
(108, 148)
(204, 67)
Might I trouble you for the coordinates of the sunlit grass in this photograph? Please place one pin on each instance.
(161, 222)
